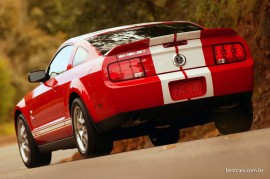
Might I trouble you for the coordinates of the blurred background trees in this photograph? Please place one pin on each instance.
(31, 31)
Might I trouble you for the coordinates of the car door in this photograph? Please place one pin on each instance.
(48, 107)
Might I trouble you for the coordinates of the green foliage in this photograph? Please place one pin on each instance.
(222, 13)
(8, 13)
(31, 31)
(7, 129)
(7, 91)
(33, 48)
(84, 16)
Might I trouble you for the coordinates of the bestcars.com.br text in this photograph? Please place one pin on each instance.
(257, 170)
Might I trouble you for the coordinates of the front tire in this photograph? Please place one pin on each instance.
(89, 142)
(29, 152)
(236, 120)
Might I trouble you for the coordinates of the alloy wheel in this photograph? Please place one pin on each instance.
(23, 141)
(80, 129)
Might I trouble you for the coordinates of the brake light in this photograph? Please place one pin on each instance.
(239, 52)
(229, 53)
(126, 70)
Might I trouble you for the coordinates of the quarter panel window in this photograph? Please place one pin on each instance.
(80, 56)
(60, 62)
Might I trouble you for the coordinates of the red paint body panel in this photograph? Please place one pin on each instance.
(48, 99)
(51, 136)
(47, 107)
(232, 78)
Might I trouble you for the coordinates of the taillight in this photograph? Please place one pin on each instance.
(239, 52)
(126, 70)
(229, 53)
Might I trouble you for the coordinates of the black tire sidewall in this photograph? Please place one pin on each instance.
(236, 120)
(98, 144)
(36, 159)
(75, 103)
(22, 119)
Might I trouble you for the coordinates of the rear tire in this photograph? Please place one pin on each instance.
(29, 152)
(89, 142)
(164, 136)
(236, 120)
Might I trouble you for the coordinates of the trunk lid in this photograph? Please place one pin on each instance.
(174, 52)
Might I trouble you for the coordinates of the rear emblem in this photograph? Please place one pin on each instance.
(179, 60)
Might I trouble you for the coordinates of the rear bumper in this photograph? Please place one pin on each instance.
(118, 100)
(184, 114)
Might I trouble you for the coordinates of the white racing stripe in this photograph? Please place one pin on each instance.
(51, 127)
(68, 122)
(161, 40)
(188, 35)
(96, 65)
(194, 67)
(163, 57)
(170, 38)
(175, 76)
(165, 79)
(205, 72)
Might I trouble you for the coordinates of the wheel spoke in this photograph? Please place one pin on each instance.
(26, 148)
(80, 129)
(23, 141)
(24, 136)
(26, 141)
(81, 119)
(84, 141)
(85, 134)
(84, 129)
(22, 130)
(81, 134)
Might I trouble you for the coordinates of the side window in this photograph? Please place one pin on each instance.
(60, 62)
(80, 56)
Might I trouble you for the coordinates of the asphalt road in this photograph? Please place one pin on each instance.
(206, 158)
(10, 159)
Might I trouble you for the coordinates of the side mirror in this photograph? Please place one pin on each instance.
(36, 76)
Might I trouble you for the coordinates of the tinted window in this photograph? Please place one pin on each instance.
(105, 42)
(80, 56)
(60, 62)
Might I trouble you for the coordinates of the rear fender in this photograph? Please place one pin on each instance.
(78, 88)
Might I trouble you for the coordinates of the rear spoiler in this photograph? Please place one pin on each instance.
(146, 43)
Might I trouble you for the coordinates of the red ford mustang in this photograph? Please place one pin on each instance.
(144, 79)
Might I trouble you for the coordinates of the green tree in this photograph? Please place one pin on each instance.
(84, 16)
(7, 92)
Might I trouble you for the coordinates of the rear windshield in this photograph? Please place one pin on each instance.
(105, 42)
